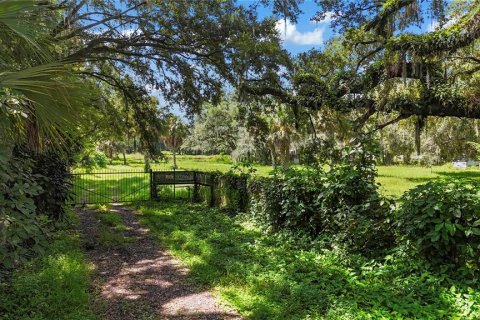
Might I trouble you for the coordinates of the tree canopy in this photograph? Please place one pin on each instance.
(185, 50)
(383, 62)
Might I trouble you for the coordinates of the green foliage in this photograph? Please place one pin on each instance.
(342, 204)
(22, 230)
(100, 159)
(440, 218)
(56, 185)
(230, 189)
(34, 188)
(94, 159)
(52, 286)
(215, 129)
(275, 276)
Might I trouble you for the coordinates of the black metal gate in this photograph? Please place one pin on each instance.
(110, 187)
(116, 187)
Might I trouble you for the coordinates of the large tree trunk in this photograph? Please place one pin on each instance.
(124, 156)
(110, 153)
(272, 155)
(285, 157)
(146, 158)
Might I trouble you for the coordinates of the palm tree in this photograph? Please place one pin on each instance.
(36, 96)
(282, 135)
(175, 133)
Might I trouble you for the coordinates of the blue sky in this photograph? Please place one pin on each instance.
(305, 34)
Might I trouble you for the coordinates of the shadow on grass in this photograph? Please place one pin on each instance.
(268, 278)
(419, 180)
(460, 174)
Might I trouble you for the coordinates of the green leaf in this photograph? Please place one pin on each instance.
(439, 227)
(450, 228)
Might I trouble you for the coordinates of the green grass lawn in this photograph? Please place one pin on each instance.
(267, 276)
(394, 180)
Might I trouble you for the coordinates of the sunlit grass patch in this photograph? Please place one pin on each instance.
(113, 219)
(111, 229)
(54, 286)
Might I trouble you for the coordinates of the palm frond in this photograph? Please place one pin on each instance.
(14, 24)
(49, 94)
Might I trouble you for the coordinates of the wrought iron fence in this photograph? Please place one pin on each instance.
(110, 187)
(115, 187)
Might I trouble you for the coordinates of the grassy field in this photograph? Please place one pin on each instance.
(272, 276)
(394, 180)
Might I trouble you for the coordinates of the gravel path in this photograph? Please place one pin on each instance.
(138, 280)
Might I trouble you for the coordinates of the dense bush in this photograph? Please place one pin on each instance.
(100, 159)
(33, 189)
(229, 191)
(442, 220)
(93, 159)
(22, 230)
(52, 171)
(342, 203)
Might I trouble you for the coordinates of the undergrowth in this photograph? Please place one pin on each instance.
(276, 276)
(52, 286)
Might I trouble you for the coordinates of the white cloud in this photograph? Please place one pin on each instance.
(129, 32)
(289, 33)
(328, 18)
(435, 25)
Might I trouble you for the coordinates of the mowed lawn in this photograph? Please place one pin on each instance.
(394, 180)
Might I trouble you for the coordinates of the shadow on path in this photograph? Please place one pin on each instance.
(137, 280)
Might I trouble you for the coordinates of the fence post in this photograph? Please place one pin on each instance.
(152, 186)
(212, 190)
(243, 196)
(195, 193)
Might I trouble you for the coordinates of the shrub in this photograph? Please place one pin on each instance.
(100, 159)
(93, 159)
(54, 179)
(442, 220)
(230, 190)
(288, 201)
(354, 211)
(22, 231)
(342, 203)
